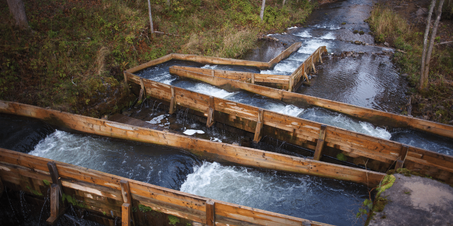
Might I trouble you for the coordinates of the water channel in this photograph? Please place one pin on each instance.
(364, 76)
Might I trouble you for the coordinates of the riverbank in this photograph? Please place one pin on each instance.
(73, 56)
(401, 24)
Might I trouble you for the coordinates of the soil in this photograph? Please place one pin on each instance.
(436, 102)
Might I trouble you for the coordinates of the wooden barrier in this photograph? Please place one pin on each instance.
(358, 147)
(306, 67)
(218, 60)
(214, 150)
(102, 193)
(374, 116)
(277, 81)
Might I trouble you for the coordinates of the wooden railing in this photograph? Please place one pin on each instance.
(117, 196)
(297, 77)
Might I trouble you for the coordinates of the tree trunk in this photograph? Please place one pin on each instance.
(17, 10)
(168, 3)
(262, 9)
(150, 19)
(283, 4)
(431, 41)
(425, 42)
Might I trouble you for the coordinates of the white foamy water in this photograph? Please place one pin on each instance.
(208, 90)
(329, 35)
(153, 164)
(303, 34)
(295, 195)
(330, 27)
(285, 109)
(310, 46)
(159, 120)
(342, 121)
(191, 132)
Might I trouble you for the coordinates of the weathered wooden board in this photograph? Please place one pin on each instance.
(93, 189)
(280, 81)
(351, 143)
(305, 67)
(366, 114)
(218, 60)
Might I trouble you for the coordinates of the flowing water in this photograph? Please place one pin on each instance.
(363, 76)
(329, 201)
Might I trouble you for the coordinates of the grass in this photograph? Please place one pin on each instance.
(435, 102)
(73, 57)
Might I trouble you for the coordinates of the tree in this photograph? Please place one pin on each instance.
(425, 67)
(425, 42)
(150, 19)
(17, 10)
(262, 9)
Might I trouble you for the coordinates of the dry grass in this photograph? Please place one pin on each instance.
(100, 60)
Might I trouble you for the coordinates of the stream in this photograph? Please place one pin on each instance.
(360, 74)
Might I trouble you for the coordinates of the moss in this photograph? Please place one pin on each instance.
(386, 183)
(144, 208)
(342, 157)
(379, 204)
(74, 201)
(173, 220)
(35, 192)
(46, 182)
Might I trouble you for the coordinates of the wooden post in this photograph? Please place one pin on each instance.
(126, 215)
(125, 77)
(211, 110)
(212, 73)
(290, 83)
(142, 91)
(172, 101)
(54, 174)
(253, 78)
(320, 56)
(210, 212)
(402, 158)
(320, 144)
(259, 126)
(313, 65)
(54, 204)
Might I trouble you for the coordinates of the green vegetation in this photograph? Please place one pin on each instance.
(46, 182)
(342, 157)
(144, 209)
(74, 201)
(73, 57)
(173, 220)
(35, 192)
(434, 103)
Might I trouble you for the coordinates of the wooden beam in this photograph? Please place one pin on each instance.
(126, 214)
(54, 204)
(125, 77)
(259, 126)
(210, 121)
(320, 56)
(253, 78)
(313, 65)
(54, 174)
(320, 143)
(126, 192)
(402, 158)
(172, 101)
(210, 212)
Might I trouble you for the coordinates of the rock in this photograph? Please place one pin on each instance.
(386, 44)
(404, 75)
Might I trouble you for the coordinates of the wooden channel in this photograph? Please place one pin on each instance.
(213, 150)
(297, 77)
(381, 153)
(366, 114)
(101, 192)
(218, 60)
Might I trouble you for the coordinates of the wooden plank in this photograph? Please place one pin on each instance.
(210, 212)
(320, 143)
(125, 191)
(126, 214)
(210, 121)
(402, 158)
(285, 53)
(54, 204)
(172, 101)
(220, 61)
(259, 126)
